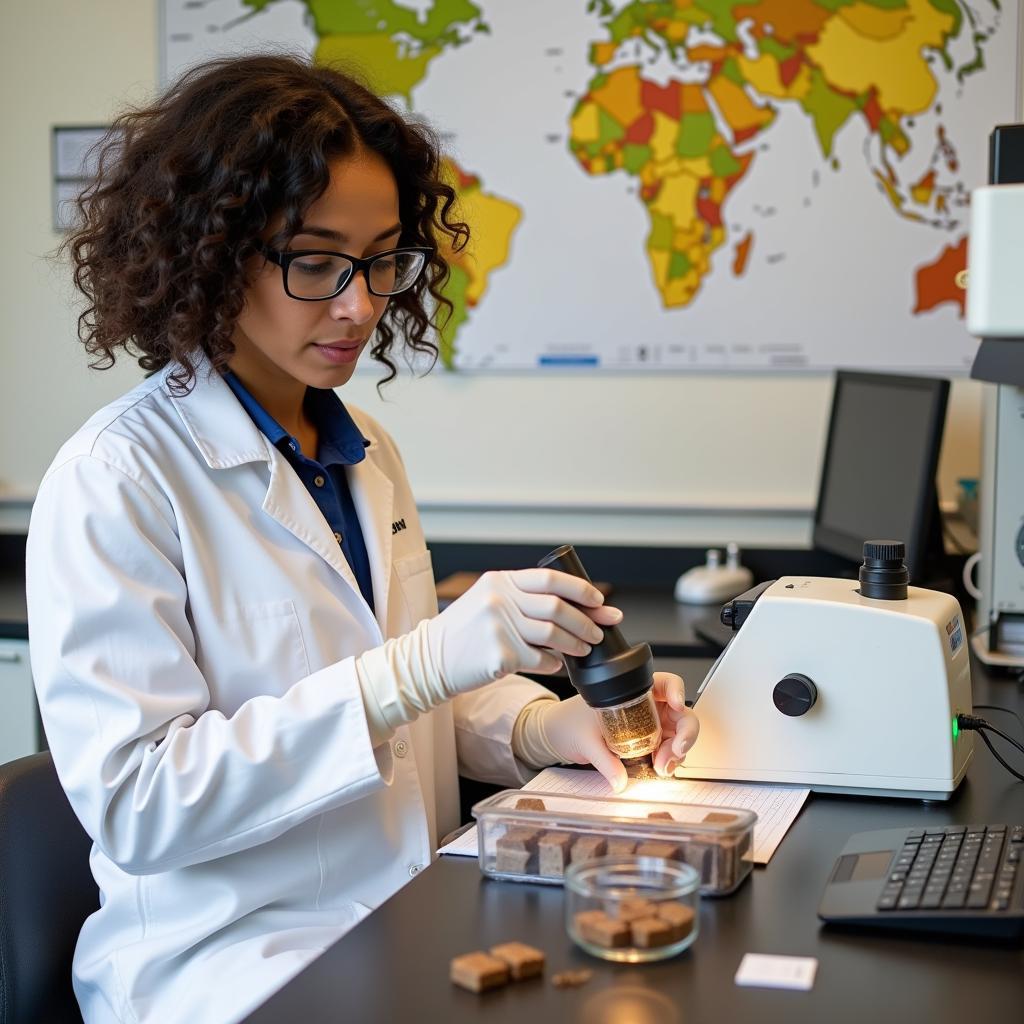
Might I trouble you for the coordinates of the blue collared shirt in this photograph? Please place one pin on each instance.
(340, 444)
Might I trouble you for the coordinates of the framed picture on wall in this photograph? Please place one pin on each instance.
(72, 162)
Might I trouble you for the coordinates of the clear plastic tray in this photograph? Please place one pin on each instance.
(521, 841)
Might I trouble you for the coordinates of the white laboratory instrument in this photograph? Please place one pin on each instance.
(713, 582)
(824, 687)
(995, 313)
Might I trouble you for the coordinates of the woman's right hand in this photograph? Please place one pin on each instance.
(516, 621)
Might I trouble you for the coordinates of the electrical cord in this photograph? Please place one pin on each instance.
(981, 727)
(1006, 711)
(995, 754)
(977, 724)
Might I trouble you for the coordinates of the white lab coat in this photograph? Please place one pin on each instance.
(193, 624)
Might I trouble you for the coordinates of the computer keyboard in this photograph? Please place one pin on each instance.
(960, 879)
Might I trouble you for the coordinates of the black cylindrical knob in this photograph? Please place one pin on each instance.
(884, 575)
(615, 670)
(794, 695)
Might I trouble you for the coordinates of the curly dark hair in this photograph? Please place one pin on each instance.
(185, 187)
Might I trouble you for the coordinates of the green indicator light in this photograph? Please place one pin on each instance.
(956, 728)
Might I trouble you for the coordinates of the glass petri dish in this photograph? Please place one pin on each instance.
(632, 909)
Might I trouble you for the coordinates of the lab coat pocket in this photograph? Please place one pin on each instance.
(268, 652)
(416, 578)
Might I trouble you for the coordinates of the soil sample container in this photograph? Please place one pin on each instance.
(632, 909)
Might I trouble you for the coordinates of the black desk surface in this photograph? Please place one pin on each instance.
(394, 965)
(654, 617)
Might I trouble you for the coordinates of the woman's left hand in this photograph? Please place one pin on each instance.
(571, 732)
(679, 725)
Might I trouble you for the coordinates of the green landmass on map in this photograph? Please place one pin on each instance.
(389, 43)
(391, 47)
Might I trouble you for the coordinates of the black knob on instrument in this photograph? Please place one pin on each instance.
(794, 695)
(884, 575)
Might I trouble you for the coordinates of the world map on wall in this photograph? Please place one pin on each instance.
(685, 184)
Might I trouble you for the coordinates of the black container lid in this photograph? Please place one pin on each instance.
(614, 671)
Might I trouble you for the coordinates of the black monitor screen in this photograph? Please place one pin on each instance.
(878, 478)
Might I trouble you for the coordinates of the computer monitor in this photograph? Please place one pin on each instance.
(878, 475)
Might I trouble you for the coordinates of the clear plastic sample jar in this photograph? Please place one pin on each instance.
(632, 728)
(632, 909)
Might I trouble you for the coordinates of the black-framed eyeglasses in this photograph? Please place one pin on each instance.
(311, 275)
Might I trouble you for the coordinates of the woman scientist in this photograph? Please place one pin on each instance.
(252, 703)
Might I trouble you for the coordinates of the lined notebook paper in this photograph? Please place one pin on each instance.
(776, 806)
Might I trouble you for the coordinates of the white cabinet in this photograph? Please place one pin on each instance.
(18, 735)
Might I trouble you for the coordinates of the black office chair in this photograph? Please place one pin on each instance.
(46, 893)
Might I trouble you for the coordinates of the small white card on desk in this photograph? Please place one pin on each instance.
(761, 971)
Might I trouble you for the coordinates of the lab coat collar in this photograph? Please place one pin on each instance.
(339, 440)
(226, 436)
(219, 426)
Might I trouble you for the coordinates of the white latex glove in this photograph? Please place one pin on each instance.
(556, 732)
(506, 622)
(679, 724)
(512, 622)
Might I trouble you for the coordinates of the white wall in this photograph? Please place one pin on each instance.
(655, 460)
(60, 63)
